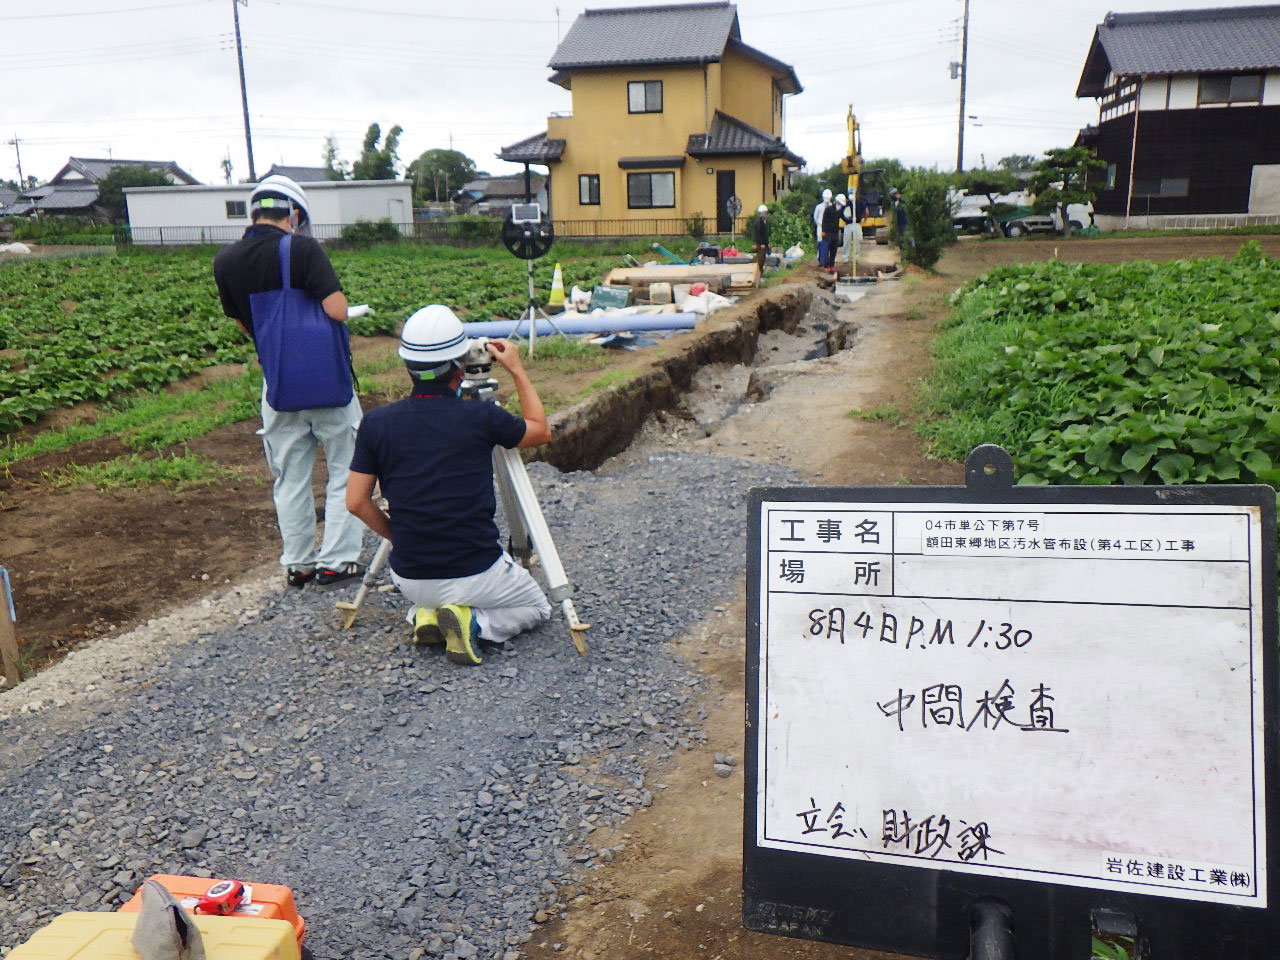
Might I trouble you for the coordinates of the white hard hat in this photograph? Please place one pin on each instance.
(826, 194)
(277, 187)
(432, 335)
(762, 209)
(839, 198)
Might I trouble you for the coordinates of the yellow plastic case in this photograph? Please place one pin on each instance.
(105, 936)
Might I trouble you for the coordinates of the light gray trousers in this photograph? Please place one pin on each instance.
(290, 440)
(505, 598)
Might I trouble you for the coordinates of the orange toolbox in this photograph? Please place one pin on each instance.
(267, 901)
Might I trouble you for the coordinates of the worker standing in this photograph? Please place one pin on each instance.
(277, 283)
(431, 453)
(831, 233)
(761, 237)
(848, 247)
(900, 220)
(818, 211)
(861, 210)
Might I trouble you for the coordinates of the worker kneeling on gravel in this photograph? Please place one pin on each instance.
(432, 455)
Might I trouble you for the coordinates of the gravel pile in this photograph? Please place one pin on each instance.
(418, 808)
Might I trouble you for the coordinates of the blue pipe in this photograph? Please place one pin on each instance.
(601, 323)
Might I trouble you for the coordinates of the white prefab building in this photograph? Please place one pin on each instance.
(219, 213)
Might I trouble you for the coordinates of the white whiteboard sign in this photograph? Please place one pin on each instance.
(1065, 693)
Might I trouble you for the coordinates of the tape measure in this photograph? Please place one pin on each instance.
(222, 898)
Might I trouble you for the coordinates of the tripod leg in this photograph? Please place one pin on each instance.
(520, 548)
(508, 462)
(348, 611)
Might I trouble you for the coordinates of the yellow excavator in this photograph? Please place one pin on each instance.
(869, 184)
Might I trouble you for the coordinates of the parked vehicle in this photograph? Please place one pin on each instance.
(1016, 213)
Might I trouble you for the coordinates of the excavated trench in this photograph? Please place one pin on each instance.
(724, 366)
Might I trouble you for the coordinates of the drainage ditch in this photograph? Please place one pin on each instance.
(723, 367)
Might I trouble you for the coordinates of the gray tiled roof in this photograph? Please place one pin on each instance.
(95, 169)
(535, 149)
(729, 136)
(77, 199)
(676, 33)
(1182, 41)
(486, 187)
(298, 174)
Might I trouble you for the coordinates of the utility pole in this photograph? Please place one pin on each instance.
(244, 93)
(964, 80)
(22, 183)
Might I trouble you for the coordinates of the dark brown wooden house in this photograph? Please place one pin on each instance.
(1189, 117)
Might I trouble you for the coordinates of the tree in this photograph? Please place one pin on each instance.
(111, 187)
(1017, 162)
(437, 174)
(1062, 178)
(378, 163)
(334, 167)
(929, 217)
(990, 183)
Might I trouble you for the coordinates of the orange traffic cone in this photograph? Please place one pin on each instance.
(557, 289)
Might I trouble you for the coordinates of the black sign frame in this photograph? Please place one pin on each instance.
(926, 912)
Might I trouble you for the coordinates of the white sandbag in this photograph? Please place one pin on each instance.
(14, 248)
(793, 252)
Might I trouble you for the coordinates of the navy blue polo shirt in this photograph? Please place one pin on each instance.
(433, 459)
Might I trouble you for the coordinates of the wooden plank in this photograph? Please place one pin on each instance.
(645, 275)
(8, 636)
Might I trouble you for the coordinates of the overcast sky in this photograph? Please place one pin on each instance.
(157, 79)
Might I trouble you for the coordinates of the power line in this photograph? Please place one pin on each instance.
(102, 13)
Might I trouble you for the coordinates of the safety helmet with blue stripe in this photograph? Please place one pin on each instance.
(432, 336)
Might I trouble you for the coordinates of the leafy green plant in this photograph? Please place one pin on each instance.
(1116, 373)
(929, 218)
(371, 231)
(696, 225)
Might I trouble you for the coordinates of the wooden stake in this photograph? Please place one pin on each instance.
(8, 636)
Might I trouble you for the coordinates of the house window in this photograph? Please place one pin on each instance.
(1111, 176)
(644, 96)
(646, 190)
(236, 210)
(1231, 88)
(1161, 187)
(589, 189)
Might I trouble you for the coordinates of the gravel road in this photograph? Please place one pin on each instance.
(418, 808)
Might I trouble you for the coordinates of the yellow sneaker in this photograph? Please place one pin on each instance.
(458, 626)
(426, 627)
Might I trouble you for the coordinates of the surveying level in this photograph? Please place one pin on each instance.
(529, 531)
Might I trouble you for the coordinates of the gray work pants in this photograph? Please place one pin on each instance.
(290, 439)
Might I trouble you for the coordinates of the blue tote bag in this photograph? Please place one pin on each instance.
(305, 356)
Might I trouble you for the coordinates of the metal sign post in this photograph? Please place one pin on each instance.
(1009, 719)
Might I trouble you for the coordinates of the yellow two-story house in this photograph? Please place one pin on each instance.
(673, 115)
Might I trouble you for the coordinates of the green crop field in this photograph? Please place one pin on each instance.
(1116, 373)
(105, 327)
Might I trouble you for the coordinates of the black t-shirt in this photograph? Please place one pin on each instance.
(831, 218)
(252, 265)
(432, 456)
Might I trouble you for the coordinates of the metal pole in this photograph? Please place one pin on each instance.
(244, 93)
(964, 81)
